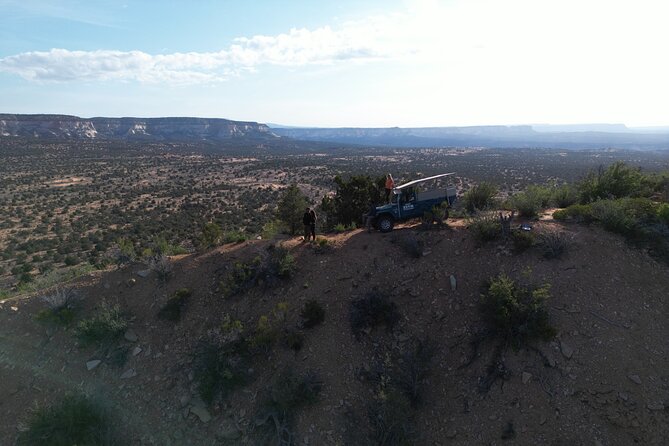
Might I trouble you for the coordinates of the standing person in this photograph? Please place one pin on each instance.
(390, 183)
(306, 220)
(312, 225)
(370, 216)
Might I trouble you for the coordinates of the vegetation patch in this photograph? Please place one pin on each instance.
(312, 314)
(479, 197)
(61, 307)
(516, 314)
(171, 311)
(522, 240)
(287, 395)
(374, 309)
(485, 227)
(75, 420)
(553, 244)
(220, 369)
(105, 326)
(273, 265)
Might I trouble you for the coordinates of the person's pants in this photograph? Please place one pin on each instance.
(307, 232)
(312, 229)
(388, 194)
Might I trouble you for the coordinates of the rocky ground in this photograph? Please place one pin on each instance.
(603, 380)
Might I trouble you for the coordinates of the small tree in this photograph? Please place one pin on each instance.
(291, 207)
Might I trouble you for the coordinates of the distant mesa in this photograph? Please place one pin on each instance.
(156, 129)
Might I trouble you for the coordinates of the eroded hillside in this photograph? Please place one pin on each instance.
(603, 379)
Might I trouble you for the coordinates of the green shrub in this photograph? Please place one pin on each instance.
(516, 314)
(612, 216)
(211, 236)
(616, 181)
(266, 333)
(220, 369)
(479, 197)
(580, 213)
(285, 396)
(413, 370)
(663, 213)
(372, 310)
(106, 326)
(411, 244)
(62, 303)
(564, 196)
(294, 340)
(234, 237)
(485, 227)
(522, 240)
(75, 420)
(171, 311)
(242, 276)
(531, 201)
(553, 244)
(312, 314)
(390, 420)
(284, 263)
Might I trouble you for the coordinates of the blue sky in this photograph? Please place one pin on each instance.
(344, 63)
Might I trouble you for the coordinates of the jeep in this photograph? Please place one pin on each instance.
(413, 200)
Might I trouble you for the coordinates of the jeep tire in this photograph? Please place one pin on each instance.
(385, 223)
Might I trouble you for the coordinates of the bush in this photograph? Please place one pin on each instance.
(372, 310)
(414, 368)
(663, 213)
(580, 213)
(161, 265)
(211, 236)
(390, 420)
(411, 245)
(564, 196)
(616, 181)
(282, 263)
(107, 325)
(220, 369)
(517, 315)
(522, 240)
(553, 244)
(291, 208)
(323, 246)
(171, 311)
(312, 314)
(234, 237)
(265, 334)
(75, 420)
(61, 307)
(485, 227)
(243, 276)
(612, 216)
(283, 399)
(531, 201)
(294, 340)
(479, 197)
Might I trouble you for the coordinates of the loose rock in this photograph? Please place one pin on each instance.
(526, 377)
(201, 412)
(131, 336)
(635, 378)
(566, 350)
(129, 374)
(90, 365)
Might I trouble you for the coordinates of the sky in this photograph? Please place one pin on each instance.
(344, 63)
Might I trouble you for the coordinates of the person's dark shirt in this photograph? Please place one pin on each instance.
(306, 218)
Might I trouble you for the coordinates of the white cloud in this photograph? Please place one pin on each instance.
(299, 47)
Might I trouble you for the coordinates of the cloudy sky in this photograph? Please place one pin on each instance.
(340, 63)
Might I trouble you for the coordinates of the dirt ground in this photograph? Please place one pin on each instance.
(604, 379)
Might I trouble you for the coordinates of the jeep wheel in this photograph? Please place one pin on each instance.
(385, 224)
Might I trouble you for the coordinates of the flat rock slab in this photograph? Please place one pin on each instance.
(635, 378)
(90, 365)
(130, 335)
(566, 350)
(130, 373)
(201, 412)
(144, 273)
(526, 377)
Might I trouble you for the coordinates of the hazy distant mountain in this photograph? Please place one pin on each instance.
(585, 136)
(178, 129)
(486, 136)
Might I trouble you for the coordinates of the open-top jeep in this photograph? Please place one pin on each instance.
(414, 200)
